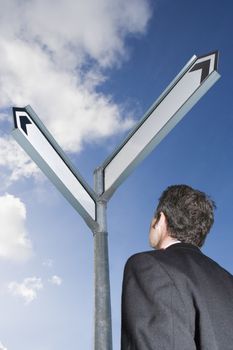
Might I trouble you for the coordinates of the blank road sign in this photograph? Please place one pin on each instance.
(32, 135)
(186, 89)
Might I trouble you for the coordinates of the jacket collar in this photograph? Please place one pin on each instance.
(184, 245)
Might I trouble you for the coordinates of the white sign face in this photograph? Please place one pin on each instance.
(43, 149)
(192, 82)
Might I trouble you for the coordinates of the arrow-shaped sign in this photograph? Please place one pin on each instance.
(36, 140)
(186, 89)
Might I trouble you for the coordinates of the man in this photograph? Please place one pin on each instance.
(175, 297)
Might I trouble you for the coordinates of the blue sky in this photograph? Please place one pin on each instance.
(90, 80)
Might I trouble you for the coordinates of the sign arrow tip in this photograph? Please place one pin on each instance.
(24, 120)
(204, 66)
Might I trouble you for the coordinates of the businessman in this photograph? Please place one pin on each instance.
(175, 297)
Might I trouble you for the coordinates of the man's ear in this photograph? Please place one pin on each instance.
(163, 219)
(153, 222)
(156, 220)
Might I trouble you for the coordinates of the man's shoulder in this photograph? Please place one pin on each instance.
(158, 254)
(178, 257)
(142, 256)
(146, 266)
(145, 260)
(149, 256)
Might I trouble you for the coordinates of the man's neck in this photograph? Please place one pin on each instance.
(168, 242)
(174, 242)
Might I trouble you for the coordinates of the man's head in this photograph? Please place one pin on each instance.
(182, 214)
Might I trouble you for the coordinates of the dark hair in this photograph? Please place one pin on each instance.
(189, 213)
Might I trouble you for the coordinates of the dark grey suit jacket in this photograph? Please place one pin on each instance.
(176, 299)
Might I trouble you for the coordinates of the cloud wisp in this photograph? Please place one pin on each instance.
(27, 290)
(55, 280)
(49, 263)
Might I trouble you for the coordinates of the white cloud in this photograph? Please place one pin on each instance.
(56, 280)
(2, 347)
(27, 290)
(55, 60)
(15, 244)
(16, 161)
(94, 28)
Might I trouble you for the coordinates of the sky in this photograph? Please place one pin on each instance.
(90, 70)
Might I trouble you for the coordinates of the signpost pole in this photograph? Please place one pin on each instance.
(102, 327)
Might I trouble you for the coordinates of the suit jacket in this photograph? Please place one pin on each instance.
(176, 299)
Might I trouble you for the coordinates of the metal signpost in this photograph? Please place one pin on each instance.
(194, 80)
(36, 140)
